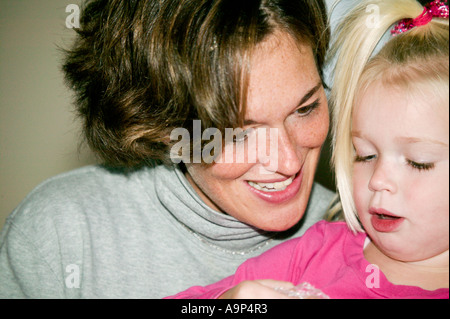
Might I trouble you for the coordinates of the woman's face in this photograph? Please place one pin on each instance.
(287, 121)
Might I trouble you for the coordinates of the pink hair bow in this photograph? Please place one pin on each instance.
(435, 9)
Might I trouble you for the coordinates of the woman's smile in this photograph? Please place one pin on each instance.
(277, 192)
(272, 186)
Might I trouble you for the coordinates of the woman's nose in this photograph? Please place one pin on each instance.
(383, 177)
(283, 157)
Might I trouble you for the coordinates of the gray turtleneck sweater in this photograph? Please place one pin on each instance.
(100, 233)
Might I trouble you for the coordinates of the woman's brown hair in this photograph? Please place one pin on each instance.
(142, 68)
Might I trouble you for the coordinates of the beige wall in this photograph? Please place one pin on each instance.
(38, 132)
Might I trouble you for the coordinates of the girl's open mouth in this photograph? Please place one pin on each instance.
(385, 221)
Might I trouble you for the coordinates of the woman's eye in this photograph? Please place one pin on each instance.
(305, 110)
(242, 135)
(420, 166)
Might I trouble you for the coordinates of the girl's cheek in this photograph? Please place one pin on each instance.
(360, 181)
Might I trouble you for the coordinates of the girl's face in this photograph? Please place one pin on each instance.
(286, 98)
(401, 173)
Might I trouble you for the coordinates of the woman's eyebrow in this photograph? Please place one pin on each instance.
(303, 100)
(310, 93)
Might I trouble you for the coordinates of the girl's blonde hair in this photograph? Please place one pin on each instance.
(408, 61)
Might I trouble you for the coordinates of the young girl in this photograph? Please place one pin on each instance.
(391, 156)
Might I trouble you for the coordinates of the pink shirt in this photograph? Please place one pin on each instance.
(328, 256)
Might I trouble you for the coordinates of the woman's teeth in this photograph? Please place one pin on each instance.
(272, 187)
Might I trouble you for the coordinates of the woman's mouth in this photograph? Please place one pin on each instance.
(272, 187)
(277, 191)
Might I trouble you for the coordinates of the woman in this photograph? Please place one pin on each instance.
(141, 226)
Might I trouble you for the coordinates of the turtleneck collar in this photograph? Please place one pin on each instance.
(177, 195)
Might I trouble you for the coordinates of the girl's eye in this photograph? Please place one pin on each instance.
(420, 166)
(306, 110)
(360, 159)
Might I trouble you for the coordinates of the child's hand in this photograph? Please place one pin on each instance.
(259, 289)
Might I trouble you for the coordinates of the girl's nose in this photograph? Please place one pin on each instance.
(383, 178)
